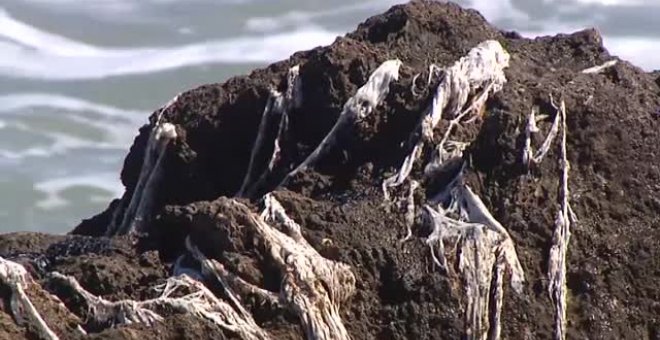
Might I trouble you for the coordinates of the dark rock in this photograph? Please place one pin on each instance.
(614, 254)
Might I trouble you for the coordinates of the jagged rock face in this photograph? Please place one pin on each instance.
(612, 121)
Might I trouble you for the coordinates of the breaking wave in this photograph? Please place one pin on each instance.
(29, 52)
(53, 188)
(117, 125)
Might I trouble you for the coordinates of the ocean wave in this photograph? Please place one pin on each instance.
(29, 52)
(641, 51)
(117, 126)
(61, 143)
(21, 102)
(53, 188)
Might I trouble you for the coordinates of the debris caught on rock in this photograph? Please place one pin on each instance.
(278, 105)
(140, 205)
(16, 277)
(480, 73)
(600, 68)
(529, 156)
(358, 107)
(483, 247)
(322, 257)
(312, 285)
(200, 302)
(557, 265)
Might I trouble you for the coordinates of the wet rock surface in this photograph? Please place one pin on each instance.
(614, 253)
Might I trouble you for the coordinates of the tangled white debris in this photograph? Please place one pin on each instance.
(277, 105)
(481, 70)
(140, 206)
(482, 247)
(201, 302)
(409, 216)
(600, 68)
(312, 285)
(529, 156)
(565, 217)
(16, 277)
(229, 281)
(358, 107)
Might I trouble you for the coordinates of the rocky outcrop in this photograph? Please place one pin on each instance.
(332, 262)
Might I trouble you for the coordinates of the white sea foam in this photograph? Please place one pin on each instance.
(640, 51)
(61, 143)
(33, 53)
(27, 36)
(53, 188)
(118, 125)
(20, 102)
